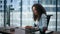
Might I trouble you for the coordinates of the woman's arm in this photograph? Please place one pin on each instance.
(43, 22)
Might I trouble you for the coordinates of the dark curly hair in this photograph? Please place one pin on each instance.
(40, 9)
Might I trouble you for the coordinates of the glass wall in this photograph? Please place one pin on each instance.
(15, 14)
(1, 13)
(2, 19)
(58, 15)
(20, 13)
(27, 16)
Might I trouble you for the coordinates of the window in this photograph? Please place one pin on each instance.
(15, 14)
(11, 5)
(58, 2)
(1, 18)
(58, 9)
(27, 18)
(0, 6)
(0, 1)
(50, 8)
(0, 10)
(58, 16)
(11, 0)
(22, 13)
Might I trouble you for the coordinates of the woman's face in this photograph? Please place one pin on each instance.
(35, 11)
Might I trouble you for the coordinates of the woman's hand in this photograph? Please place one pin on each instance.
(28, 27)
(44, 29)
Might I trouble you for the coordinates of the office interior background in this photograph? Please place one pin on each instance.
(18, 13)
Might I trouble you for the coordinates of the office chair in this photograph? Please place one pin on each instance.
(48, 19)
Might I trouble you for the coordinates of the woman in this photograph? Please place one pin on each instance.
(39, 16)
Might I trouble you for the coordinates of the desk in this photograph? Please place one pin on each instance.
(5, 32)
(21, 31)
(56, 32)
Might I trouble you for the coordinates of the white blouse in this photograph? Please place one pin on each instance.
(42, 22)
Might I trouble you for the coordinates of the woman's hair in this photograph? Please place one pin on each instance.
(40, 9)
